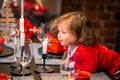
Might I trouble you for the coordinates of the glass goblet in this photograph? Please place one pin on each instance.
(43, 36)
(24, 57)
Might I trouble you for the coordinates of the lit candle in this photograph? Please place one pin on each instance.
(44, 43)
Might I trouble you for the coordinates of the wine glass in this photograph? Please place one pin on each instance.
(13, 40)
(24, 57)
(43, 36)
(12, 33)
(43, 32)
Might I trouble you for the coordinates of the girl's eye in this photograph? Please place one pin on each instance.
(64, 32)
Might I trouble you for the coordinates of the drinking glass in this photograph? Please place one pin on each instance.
(66, 72)
(13, 41)
(12, 33)
(43, 32)
(24, 57)
(43, 35)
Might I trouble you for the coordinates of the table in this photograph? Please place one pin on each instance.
(6, 68)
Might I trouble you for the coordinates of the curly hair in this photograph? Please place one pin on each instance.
(78, 25)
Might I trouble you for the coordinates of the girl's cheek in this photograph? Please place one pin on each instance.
(59, 35)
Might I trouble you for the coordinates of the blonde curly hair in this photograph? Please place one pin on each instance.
(78, 25)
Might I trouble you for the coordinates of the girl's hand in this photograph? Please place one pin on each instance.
(66, 62)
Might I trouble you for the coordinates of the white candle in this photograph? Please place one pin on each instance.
(22, 35)
(22, 39)
(44, 43)
(22, 8)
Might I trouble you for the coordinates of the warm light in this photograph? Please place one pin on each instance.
(36, 7)
(15, 3)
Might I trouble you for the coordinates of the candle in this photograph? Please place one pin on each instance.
(22, 39)
(44, 43)
(22, 8)
(22, 34)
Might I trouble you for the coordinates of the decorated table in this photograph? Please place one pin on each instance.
(6, 68)
(53, 62)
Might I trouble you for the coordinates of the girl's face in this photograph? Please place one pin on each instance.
(65, 37)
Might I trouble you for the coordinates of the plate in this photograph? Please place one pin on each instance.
(50, 55)
(7, 51)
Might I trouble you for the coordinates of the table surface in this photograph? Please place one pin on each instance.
(6, 68)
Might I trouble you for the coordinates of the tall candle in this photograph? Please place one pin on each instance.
(22, 39)
(44, 43)
(22, 34)
(22, 8)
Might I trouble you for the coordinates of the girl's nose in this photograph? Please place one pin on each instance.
(58, 36)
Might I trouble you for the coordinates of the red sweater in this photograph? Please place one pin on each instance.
(96, 58)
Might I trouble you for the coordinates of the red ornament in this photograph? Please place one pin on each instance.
(1, 48)
(1, 40)
(27, 26)
(34, 7)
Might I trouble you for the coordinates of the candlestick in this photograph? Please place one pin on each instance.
(45, 42)
(44, 68)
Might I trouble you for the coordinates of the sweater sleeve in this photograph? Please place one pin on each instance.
(86, 59)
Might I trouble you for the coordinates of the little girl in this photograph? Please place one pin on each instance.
(84, 52)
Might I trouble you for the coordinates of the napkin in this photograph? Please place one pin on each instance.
(51, 76)
(100, 76)
(23, 78)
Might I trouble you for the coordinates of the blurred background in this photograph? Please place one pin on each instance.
(104, 15)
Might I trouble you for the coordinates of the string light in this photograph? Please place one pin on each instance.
(15, 3)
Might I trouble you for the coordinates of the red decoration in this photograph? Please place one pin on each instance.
(1, 48)
(34, 7)
(27, 25)
(1, 40)
(34, 29)
(82, 75)
(54, 45)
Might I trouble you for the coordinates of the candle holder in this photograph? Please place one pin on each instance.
(44, 68)
(43, 37)
(21, 69)
(17, 64)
